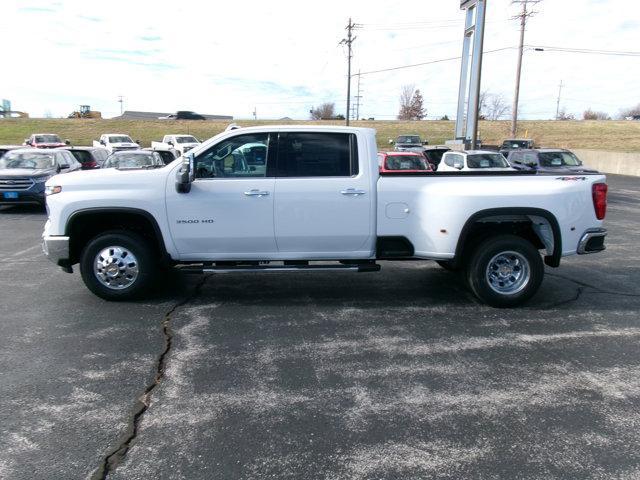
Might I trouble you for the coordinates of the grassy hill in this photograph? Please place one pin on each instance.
(597, 135)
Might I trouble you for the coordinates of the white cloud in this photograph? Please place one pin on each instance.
(282, 57)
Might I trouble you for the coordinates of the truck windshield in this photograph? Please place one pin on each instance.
(120, 139)
(47, 139)
(487, 160)
(32, 161)
(559, 159)
(405, 162)
(187, 139)
(408, 139)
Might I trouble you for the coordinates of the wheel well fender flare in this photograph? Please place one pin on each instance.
(87, 212)
(552, 260)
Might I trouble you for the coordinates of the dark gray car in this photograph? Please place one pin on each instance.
(23, 173)
(409, 143)
(549, 160)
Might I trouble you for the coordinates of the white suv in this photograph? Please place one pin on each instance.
(473, 160)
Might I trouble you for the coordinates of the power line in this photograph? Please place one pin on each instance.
(440, 60)
(585, 50)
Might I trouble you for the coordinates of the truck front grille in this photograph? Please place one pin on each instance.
(15, 183)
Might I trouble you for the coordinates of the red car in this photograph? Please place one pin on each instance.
(406, 162)
(44, 140)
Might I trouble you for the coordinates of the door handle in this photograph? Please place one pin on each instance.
(256, 193)
(352, 191)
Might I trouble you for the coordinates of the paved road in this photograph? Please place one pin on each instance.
(399, 374)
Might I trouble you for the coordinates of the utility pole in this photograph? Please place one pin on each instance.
(120, 100)
(348, 42)
(255, 113)
(358, 98)
(523, 23)
(558, 102)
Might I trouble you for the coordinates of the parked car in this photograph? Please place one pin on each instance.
(322, 199)
(405, 162)
(408, 143)
(183, 115)
(182, 143)
(515, 144)
(547, 160)
(5, 148)
(23, 173)
(134, 159)
(434, 155)
(168, 155)
(89, 157)
(473, 160)
(45, 140)
(116, 142)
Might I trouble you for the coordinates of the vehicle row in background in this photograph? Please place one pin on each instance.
(24, 171)
(181, 143)
(115, 142)
(555, 160)
(45, 140)
(473, 160)
(405, 162)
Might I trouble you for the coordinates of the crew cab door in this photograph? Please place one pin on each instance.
(324, 198)
(228, 214)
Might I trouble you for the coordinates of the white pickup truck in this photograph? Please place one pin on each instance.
(116, 142)
(308, 198)
(181, 143)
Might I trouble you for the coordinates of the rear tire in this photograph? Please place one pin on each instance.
(505, 271)
(118, 265)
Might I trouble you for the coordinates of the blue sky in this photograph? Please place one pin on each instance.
(282, 57)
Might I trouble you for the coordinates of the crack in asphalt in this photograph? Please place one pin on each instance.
(117, 455)
(582, 286)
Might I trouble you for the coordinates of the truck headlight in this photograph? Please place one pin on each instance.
(52, 189)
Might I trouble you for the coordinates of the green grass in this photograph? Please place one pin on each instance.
(596, 135)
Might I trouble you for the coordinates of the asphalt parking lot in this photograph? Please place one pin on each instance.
(399, 374)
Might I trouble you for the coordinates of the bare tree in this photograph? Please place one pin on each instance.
(492, 106)
(411, 104)
(482, 105)
(417, 106)
(497, 107)
(406, 99)
(326, 111)
(593, 115)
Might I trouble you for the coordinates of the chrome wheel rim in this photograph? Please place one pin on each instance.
(116, 267)
(508, 273)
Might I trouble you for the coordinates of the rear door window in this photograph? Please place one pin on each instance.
(314, 154)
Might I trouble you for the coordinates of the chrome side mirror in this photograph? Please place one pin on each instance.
(185, 174)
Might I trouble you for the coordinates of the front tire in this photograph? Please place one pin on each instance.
(505, 271)
(118, 265)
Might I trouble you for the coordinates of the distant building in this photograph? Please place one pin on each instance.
(135, 115)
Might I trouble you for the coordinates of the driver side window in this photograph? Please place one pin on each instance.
(242, 156)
